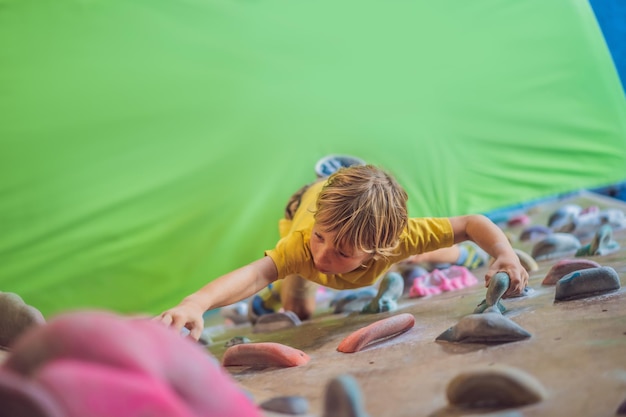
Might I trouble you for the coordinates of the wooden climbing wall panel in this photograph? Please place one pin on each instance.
(577, 350)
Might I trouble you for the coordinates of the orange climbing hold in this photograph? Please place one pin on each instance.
(264, 354)
(378, 330)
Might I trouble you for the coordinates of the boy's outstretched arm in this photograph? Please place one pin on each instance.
(227, 289)
(492, 240)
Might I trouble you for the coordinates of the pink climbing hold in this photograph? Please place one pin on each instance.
(381, 329)
(442, 280)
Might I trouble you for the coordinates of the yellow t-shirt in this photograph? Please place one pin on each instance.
(292, 254)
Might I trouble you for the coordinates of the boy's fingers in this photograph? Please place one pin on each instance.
(196, 332)
(165, 319)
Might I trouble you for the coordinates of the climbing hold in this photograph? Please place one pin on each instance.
(518, 220)
(381, 329)
(343, 398)
(353, 300)
(294, 405)
(488, 327)
(276, 321)
(16, 317)
(410, 273)
(264, 354)
(496, 386)
(498, 285)
(564, 215)
(527, 261)
(621, 410)
(534, 232)
(587, 283)
(389, 291)
(602, 243)
(565, 266)
(441, 280)
(555, 245)
(237, 340)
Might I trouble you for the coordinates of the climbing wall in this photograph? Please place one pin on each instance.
(576, 351)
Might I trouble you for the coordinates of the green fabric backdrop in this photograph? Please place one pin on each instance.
(148, 146)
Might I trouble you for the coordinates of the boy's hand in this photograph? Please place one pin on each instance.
(187, 314)
(517, 273)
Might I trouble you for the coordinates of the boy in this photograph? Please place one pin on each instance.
(345, 232)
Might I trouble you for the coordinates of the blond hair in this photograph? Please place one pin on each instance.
(366, 207)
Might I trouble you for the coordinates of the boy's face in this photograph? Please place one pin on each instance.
(329, 259)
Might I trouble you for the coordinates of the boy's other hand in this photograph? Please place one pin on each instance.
(517, 274)
(187, 314)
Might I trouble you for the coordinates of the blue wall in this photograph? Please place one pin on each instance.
(611, 15)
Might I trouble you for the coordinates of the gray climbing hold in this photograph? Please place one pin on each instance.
(602, 243)
(294, 405)
(498, 285)
(276, 321)
(587, 283)
(496, 386)
(343, 398)
(565, 266)
(555, 245)
(390, 290)
(16, 317)
(487, 327)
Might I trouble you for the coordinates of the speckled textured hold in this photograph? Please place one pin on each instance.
(390, 290)
(294, 405)
(555, 245)
(343, 398)
(495, 386)
(237, 340)
(16, 317)
(566, 266)
(489, 327)
(276, 321)
(587, 283)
